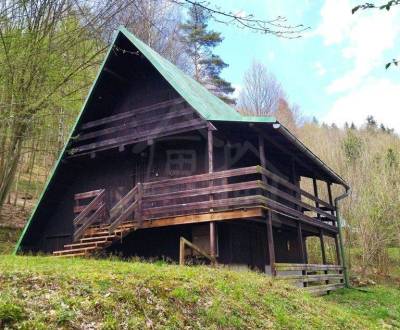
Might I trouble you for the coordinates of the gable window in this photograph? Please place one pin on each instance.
(181, 162)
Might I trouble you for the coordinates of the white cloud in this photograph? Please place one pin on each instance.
(377, 97)
(319, 69)
(362, 39)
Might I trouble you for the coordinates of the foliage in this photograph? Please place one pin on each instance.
(367, 158)
(110, 294)
(199, 43)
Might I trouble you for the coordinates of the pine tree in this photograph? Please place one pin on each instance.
(199, 43)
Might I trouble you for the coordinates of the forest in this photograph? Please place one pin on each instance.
(50, 53)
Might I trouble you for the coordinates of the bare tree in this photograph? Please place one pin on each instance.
(261, 91)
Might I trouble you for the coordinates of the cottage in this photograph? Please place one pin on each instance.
(158, 167)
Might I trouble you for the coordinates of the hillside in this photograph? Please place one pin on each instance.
(44, 292)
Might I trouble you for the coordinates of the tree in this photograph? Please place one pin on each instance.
(199, 43)
(261, 91)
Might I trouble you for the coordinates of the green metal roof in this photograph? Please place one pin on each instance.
(209, 106)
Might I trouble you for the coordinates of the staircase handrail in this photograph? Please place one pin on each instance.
(90, 207)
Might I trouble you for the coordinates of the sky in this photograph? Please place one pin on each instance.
(336, 70)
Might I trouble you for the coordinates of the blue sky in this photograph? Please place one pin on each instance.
(335, 72)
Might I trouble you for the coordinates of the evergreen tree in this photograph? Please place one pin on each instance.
(199, 43)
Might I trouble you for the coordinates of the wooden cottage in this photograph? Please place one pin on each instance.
(158, 167)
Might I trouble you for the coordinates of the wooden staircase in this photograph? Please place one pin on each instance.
(96, 228)
(95, 239)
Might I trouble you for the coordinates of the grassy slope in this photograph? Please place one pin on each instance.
(43, 292)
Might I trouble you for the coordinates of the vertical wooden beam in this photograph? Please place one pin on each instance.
(210, 148)
(271, 246)
(337, 249)
(301, 243)
(295, 182)
(181, 252)
(324, 261)
(316, 194)
(329, 187)
(321, 239)
(261, 151)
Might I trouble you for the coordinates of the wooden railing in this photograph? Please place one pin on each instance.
(230, 189)
(124, 209)
(239, 188)
(93, 212)
(315, 278)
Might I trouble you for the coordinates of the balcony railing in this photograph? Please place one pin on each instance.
(232, 189)
(236, 189)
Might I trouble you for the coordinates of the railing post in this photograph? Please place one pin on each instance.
(316, 195)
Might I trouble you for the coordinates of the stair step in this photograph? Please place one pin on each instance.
(108, 238)
(105, 232)
(86, 244)
(70, 255)
(79, 250)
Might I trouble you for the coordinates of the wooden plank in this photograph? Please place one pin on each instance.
(79, 232)
(290, 198)
(135, 123)
(90, 207)
(324, 288)
(140, 139)
(87, 194)
(239, 202)
(289, 185)
(204, 217)
(311, 278)
(315, 187)
(202, 177)
(276, 206)
(308, 267)
(301, 242)
(131, 113)
(135, 136)
(123, 201)
(263, 159)
(123, 216)
(203, 191)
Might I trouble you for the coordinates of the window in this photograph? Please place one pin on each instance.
(181, 162)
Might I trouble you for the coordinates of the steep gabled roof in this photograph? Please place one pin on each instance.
(209, 106)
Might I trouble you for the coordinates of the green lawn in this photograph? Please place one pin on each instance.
(45, 292)
(378, 304)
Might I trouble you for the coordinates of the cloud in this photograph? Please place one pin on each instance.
(377, 97)
(319, 69)
(362, 39)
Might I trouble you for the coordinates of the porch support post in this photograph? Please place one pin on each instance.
(316, 194)
(337, 250)
(210, 144)
(321, 239)
(270, 238)
(301, 243)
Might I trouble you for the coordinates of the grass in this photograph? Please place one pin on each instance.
(50, 293)
(378, 304)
